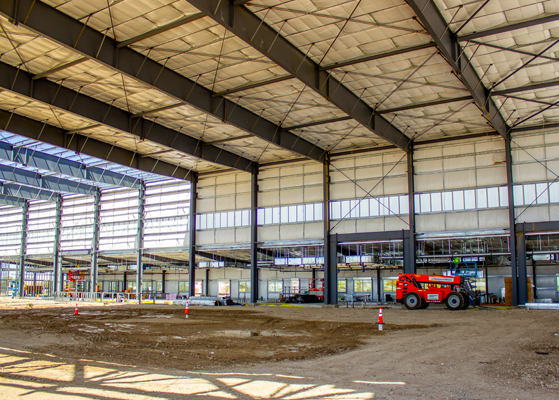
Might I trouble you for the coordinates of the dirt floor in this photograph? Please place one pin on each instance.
(153, 352)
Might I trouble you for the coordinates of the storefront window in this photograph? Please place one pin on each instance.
(275, 286)
(342, 286)
(362, 285)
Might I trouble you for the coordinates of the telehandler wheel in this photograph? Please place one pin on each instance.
(466, 299)
(424, 305)
(412, 301)
(454, 301)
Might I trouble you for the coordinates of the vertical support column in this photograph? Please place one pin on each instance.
(207, 288)
(330, 242)
(522, 268)
(379, 298)
(124, 282)
(254, 234)
(512, 223)
(57, 262)
(23, 247)
(95, 242)
(163, 282)
(140, 241)
(192, 236)
(409, 261)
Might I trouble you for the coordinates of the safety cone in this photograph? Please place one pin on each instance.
(186, 310)
(380, 320)
(76, 310)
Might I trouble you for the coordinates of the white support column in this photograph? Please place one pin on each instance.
(95, 242)
(140, 241)
(57, 262)
(23, 247)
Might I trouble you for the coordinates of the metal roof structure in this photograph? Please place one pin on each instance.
(180, 86)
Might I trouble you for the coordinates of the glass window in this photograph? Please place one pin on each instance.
(309, 212)
(183, 286)
(268, 217)
(217, 220)
(223, 219)
(384, 206)
(362, 285)
(342, 285)
(301, 213)
(260, 216)
(425, 202)
(481, 198)
(335, 210)
(394, 206)
(447, 201)
(275, 215)
(542, 194)
(284, 215)
(404, 205)
(493, 197)
(364, 208)
(458, 200)
(246, 217)
(198, 288)
(436, 202)
(244, 286)
(275, 286)
(504, 196)
(554, 192)
(469, 199)
(373, 207)
(345, 208)
(318, 212)
(529, 193)
(224, 288)
(389, 285)
(238, 218)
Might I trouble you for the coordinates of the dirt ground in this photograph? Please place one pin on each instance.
(153, 352)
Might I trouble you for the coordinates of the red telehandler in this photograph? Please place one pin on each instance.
(418, 291)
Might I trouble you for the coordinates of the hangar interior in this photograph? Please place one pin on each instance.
(245, 148)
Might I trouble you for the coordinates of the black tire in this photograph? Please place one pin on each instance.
(412, 301)
(466, 299)
(454, 301)
(424, 305)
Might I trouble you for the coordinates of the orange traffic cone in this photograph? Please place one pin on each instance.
(380, 320)
(186, 310)
(76, 310)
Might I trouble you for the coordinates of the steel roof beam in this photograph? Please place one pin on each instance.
(53, 183)
(37, 159)
(30, 128)
(508, 28)
(55, 25)
(161, 29)
(259, 35)
(446, 41)
(378, 56)
(26, 192)
(7, 200)
(536, 86)
(66, 99)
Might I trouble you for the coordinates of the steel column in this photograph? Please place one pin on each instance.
(57, 263)
(512, 223)
(95, 241)
(192, 236)
(330, 242)
(522, 268)
(254, 235)
(409, 261)
(379, 299)
(163, 282)
(140, 241)
(23, 247)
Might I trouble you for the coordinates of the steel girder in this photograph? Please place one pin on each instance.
(255, 32)
(535, 86)
(37, 159)
(57, 26)
(7, 200)
(435, 24)
(26, 192)
(511, 27)
(52, 183)
(61, 97)
(30, 128)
